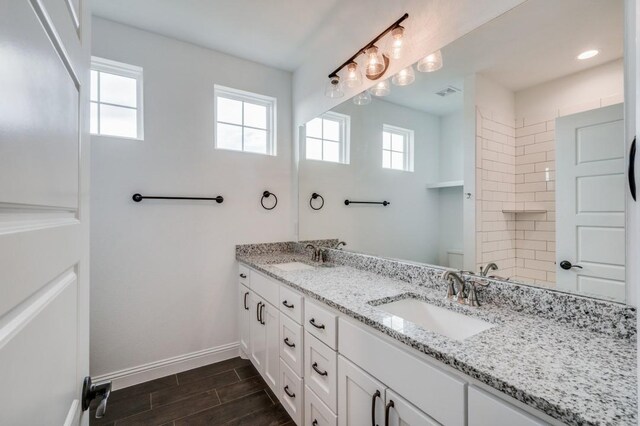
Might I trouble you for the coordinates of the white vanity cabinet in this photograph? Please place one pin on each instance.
(328, 369)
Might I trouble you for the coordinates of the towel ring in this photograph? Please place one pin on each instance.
(267, 194)
(314, 196)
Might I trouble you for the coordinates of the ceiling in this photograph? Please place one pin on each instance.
(273, 32)
(533, 43)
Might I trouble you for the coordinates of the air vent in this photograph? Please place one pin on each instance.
(448, 91)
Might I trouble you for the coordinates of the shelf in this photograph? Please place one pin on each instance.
(448, 184)
(524, 211)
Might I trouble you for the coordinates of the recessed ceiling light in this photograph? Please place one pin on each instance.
(588, 54)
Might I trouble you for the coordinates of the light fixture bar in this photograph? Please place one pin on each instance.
(371, 43)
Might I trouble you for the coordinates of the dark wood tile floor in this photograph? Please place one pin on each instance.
(230, 392)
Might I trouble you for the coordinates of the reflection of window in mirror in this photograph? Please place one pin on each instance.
(397, 148)
(327, 138)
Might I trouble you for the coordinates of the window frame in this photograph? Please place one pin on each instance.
(270, 102)
(344, 142)
(408, 136)
(124, 70)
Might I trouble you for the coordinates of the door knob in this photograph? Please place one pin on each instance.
(566, 265)
(91, 392)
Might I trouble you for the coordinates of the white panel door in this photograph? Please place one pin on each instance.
(44, 239)
(590, 194)
(245, 319)
(258, 345)
(271, 323)
(400, 412)
(361, 397)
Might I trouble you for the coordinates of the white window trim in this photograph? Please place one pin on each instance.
(240, 95)
(408, 135)
(125, 70)
(345, 138)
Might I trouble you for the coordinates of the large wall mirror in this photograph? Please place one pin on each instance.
(511, 153)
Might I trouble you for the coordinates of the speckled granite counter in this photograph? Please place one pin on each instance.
(573, 373)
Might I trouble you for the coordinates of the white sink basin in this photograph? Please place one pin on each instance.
(293, 266)
(434, 318)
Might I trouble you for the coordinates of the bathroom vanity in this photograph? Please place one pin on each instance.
(362, 340)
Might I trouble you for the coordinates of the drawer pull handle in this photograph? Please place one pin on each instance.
(373, 407)
(245, 301)
(287, 305)
(286, 342)
(289, 394)
(386, 412)
(314, 423)
(243, 276)
(262, 314)
(312, 321)
(258, 312)
(320, 372)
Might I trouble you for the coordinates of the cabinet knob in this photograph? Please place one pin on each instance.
(312, 321)
(289, 394)
(317, 370)
(243, 276)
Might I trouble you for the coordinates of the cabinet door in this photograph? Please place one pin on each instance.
(488, 410)
(244, 319)
(258, 345)
(270, 317)
(403, 413)
(361, 399)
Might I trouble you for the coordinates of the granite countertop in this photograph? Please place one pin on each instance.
(575, 375)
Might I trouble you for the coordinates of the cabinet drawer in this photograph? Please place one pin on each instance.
(439, 394)
(488, 410)
(267, 288)
(316, 412)
(291, 393)
(291, 304)
(244, 275)
(321, 323)
(291, 344)
(321, 370)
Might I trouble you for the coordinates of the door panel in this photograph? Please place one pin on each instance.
(38, 114)
(271, 319)
(590, 198)
(403, 413)
(358, 393)
(44, 239)
(245, 320)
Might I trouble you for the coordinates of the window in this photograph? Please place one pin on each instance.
(116, 99)
(244, 121)
(327, 138)
(397, 148)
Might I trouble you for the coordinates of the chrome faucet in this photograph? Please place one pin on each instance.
(452, 278)
(488, 267)
(315, 256)
(338, 244)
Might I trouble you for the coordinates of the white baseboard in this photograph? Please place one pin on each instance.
(154, 370)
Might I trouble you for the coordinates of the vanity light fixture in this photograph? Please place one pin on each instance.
(333, 89)
(354, 76)
(404, 77)
(362, 98)
(381, 88)
(397, 43)
(431, 62)
(376, 62)
(587, 54)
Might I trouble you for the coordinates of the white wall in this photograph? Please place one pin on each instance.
(574, 93)
(408, 227)
(451, 201)
(163, 274)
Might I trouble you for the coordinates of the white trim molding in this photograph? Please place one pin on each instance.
(155, 370)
